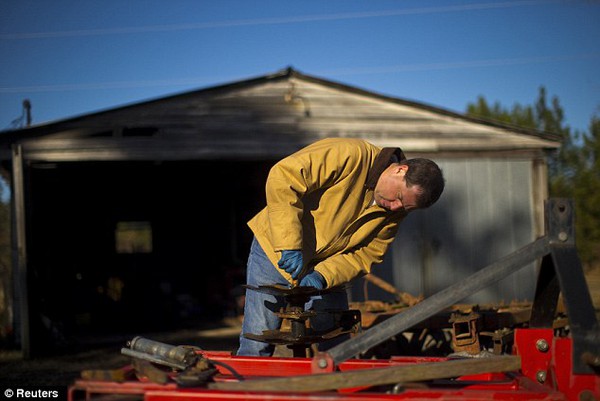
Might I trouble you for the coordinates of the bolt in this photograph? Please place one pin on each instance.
(542, 345)
(587, 395)
(322, 363)
(541, 376)
(563, 236)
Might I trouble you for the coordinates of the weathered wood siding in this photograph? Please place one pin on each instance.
(270, 119)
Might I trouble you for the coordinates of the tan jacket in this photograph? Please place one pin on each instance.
(317, 201)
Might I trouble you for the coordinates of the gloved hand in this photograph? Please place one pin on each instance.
(291, 262)
(313, 279)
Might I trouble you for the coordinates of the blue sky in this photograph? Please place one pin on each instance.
(74, 57)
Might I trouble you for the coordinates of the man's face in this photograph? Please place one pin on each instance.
(391, 192)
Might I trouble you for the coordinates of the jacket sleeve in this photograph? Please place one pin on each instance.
(317, 166)
(357, 262)
(285, 186)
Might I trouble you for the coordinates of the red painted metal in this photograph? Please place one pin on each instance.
(554, 366)
(554, 361)
(477, 388)
(282, 367)
(576, 387)
(533, 361)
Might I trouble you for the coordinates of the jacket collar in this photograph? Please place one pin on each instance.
(386, 157)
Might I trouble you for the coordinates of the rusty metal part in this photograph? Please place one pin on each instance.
(194, 376)
(591, 359)
(144, 370)
(493, 316)
(113, 375)
(496, 327)
(197, 375)
(296, 330)
(403, 297)
(502, 340)
(465, 333)
(345, 322)
(296, 314)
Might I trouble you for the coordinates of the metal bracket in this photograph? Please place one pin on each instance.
(561, 272)
(465, 332)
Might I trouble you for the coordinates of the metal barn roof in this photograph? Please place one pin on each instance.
(267, 116)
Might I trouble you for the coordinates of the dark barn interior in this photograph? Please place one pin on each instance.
(87, 280)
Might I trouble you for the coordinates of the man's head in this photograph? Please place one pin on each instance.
(411, 184)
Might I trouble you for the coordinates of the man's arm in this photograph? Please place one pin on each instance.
(286, 184)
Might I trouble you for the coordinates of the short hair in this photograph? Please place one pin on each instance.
(426, 174)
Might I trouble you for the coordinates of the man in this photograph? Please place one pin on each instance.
(333, 209)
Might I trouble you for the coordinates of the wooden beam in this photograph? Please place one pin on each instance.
(20, 250)
(376, 377)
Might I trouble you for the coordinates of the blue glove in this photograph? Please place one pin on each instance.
(291, 262)
(313, 279)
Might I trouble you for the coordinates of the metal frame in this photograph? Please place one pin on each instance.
(485, 386)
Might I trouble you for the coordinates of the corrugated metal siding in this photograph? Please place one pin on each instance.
(484, 214)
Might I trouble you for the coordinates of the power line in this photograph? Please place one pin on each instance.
(337, 72)
(461, 64)
(102, 85)
(275, 21)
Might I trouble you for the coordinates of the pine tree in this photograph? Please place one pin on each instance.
(586, 192)
(574, 170)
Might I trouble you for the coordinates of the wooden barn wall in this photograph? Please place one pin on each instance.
(485, 213)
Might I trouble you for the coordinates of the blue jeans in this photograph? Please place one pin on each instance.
(260, 308)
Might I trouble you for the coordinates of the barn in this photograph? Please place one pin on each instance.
(133, 218)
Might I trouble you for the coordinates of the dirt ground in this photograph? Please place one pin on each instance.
(64, 369)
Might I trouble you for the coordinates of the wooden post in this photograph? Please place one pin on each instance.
(20, 251)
